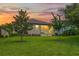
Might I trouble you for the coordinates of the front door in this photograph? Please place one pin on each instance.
(45, 31)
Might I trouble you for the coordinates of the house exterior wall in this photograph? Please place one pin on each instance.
(38, 30)
(34, 31)
(42, 30)
(4, 33)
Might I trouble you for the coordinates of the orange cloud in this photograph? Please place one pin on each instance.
(40, 16)
(8, 17)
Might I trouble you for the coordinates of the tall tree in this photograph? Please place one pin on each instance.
(72, 14)
(21, 24)
(56, 22)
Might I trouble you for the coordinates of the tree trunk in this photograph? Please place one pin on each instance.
(21, 36)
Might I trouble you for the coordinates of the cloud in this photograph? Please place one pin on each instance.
(44, 14)
(10, 8)
(34, 7)
(40, 11)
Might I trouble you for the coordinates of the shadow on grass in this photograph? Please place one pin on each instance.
(15, 42)
(71, 40)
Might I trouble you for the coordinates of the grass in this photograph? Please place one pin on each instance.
(40, 46)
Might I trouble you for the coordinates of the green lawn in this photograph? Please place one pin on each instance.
(39, 46)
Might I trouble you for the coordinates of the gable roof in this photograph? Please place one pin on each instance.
(35, 21)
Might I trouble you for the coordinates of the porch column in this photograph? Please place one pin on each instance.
(40, 29)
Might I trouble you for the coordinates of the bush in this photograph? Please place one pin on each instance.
(72, 31)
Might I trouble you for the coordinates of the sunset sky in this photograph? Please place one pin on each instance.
(40, 11)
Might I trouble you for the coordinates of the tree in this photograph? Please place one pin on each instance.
(8, 28)
(21, 24)
(72, 14)
(56, 22)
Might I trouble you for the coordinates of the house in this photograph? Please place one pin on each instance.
(40, 28)
(4, 33)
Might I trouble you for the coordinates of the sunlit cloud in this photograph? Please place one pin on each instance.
(39, 11)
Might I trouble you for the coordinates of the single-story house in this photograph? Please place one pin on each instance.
(40, 28)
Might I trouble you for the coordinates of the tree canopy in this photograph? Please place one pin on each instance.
(72, 14)
(21, 24)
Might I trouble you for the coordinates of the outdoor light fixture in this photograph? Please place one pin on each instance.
(36, 26)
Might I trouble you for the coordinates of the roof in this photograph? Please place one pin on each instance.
(35, 21)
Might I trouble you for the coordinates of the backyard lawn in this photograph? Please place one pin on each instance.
(39, 46)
